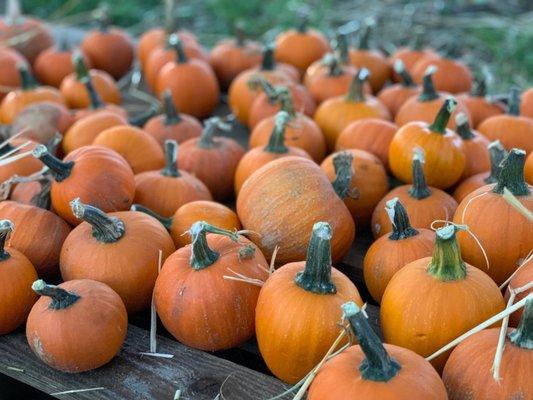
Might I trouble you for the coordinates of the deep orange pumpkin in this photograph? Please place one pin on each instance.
(479, 106)
(9, 74)
(452, 76)
(475, 147)
(396, 95)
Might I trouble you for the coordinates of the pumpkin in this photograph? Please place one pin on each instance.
(77, 94)
(479, 106)
(301, 47)
(15, 101)
(166, 190)
(54, 64)
(58, 317)
(424, 204)
(34, 192)
(42, 121)
(196, 304)
(119, 249)
(359, 179)
(23, 166)
(526, 103)
(394, 96)
(298, 309)
(230, 57)
(139, 149)
(256, 157)
(497, 153)
(108, 49)
(334, 114)
(410, 56)
(452, 76)
(443, 149)
(16, 274)
(474, 146)
(86, 129)
(211, 212)
(213, 160)
(512, 129)
(528, 169)
(172, 125)
(282, 200)
(390, 253)
(372, 135)
(468, 372)
(193, 83)
(424, 106)
(490, 218)
(9, 74)
(97, 175)
(373, 370)
(522, 276)
(433, 300)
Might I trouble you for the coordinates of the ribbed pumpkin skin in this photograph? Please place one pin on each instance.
(480, 108)
(451, 76)
(283, 200)
(394, 96)
(522, 277)
(16, 100)
(340, 379)
(39, 235)
(16, 299)
(318, 316)
(410, 57)
(84, 336)
(9, 74)
(423, 314)
(375, 62)
(511, 130)
(492, 219)
(323, 86)
(468, 372)
(301, 49)
(188, 128)
(77, 96)
(476, 156)
(469, 185)
(53, 65)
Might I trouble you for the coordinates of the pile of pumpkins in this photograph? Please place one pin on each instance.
(329, 126)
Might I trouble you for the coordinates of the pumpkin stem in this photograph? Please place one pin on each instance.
(333, 65)
(443, 116)
(304, 24)
(60, 170)
(285, 101)
(479, 89)
(364, 39)
(522, 336)
(171, 157)
(342, 162)
(61, 299)
(496, 153)
(141, 118)
(514, 102)
(94, 97)
(377, 366)
(316, 276)
(166, 222)
(28, 82)
(446, 263)
(405, 77)
(429, 92)
(103, 19)
(175, 43)
(512, 174)
(64, 44)
(206, 140)
(257, 82)
(419, 189)
(202, 255)
(42, 199)
(6, 227)
(240, 34)
(276, 144)
(342, 48)
(356, 91)
(106, 229)
(172, 117)
(401, 227)
(463, 127)
(170, 19)
(80, 67)
(268, 63)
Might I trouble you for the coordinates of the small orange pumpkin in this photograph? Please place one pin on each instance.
(23, 166)
(410, 56)
(396, 95)
(9, 74)
(475, 147)
(452, 76)
(479, 106)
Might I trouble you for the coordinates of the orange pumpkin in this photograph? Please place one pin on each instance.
(526, 103)
(298, 309)
(336, 113)
(64, 311)
(97, 175)
(9, 74)
(396, 95)
(282, 209)
(16, 275)
(196, 304)
(452, 76)
(373, 370)
(443, 150)
(479, 106)
(521, 277)
(490, 218)
(475, 148)
(423, 307)
(410, 56)
(119, 249)
(359, 179)
(23, 166)
(388, 254)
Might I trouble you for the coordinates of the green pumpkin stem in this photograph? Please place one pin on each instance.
(206, 140)
(166, 222)
(512, 174)
(342, 48)
(80, 67)
(27, 80)
(446, 263)
(172, 116)
(106, 229)
(316, 276)
(514, 102)
(405, 77)
(333, 64)
(443, 116)
(304, 24)
(94, 97)
(141, 118)
(202, 255)
(42, 198)
(342, 163)
(479, 89)
(429, 92)
(496, 153)
(401, 227)
(364, 39)
(276, 143)
(285, 101)
(6, 228)
(61, 299)
(171, 157)
(463, 127)
(60, 170)
(522, 336)
(175, 43)
(257, 82)
(356, 90)
(103, 19)
(240, 34)
(268, 63)
(419, 189)
(378, 366)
